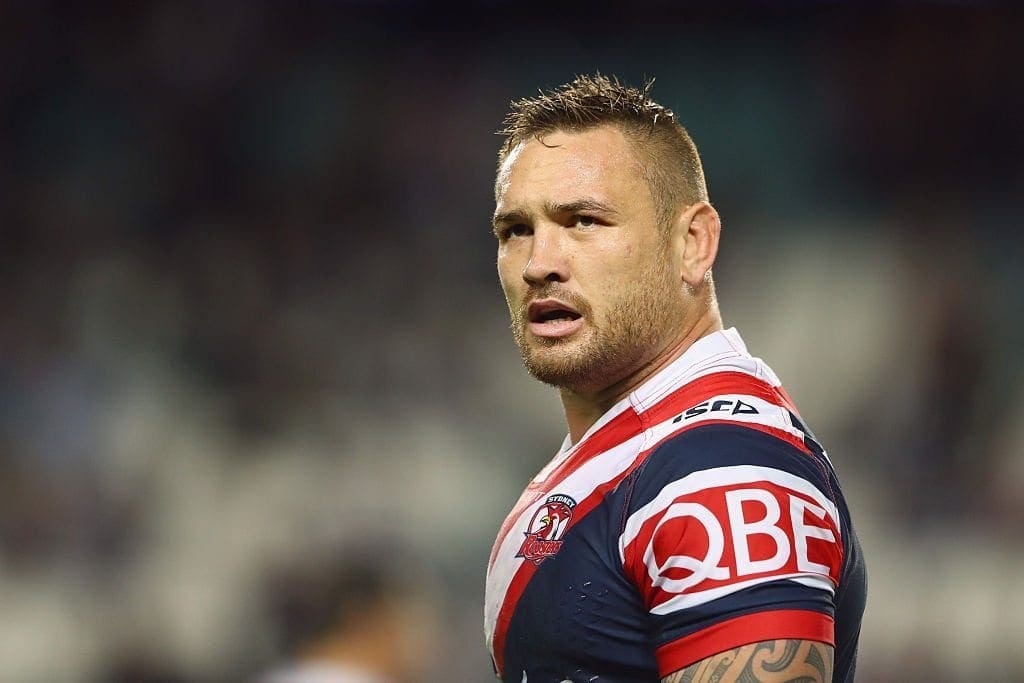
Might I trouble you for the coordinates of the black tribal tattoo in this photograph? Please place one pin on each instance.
(771, 661)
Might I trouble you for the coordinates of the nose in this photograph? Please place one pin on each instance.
(547, 261)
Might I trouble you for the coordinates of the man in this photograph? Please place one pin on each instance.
(691, 527)
(350, 618)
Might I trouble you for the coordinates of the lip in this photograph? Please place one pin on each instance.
(552, 329)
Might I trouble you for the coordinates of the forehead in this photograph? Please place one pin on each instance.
(599, 163)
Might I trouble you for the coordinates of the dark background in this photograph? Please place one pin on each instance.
(249, 313)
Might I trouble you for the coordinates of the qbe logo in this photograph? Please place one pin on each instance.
(710, 542)
(548, 524)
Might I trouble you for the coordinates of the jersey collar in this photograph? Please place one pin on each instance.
(711, 350)
(707, 351)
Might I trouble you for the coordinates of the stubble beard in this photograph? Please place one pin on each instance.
(600, 355)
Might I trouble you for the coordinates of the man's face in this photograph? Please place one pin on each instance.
(589, 277)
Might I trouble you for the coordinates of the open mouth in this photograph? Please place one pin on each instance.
(551, 311)
(552, 319)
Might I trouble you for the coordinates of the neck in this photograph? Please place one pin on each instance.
(583, 409)
(362, 652)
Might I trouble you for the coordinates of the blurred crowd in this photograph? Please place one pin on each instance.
(254, 359)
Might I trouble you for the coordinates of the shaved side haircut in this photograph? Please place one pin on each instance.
(664, 150)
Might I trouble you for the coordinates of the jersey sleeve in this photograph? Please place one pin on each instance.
(732, 536)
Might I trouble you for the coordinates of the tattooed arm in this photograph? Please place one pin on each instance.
(771, 661)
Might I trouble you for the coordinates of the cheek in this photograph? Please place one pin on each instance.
(508, 277)
(613, 276)
(623, 282)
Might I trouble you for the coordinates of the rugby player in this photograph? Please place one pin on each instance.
(691, 527)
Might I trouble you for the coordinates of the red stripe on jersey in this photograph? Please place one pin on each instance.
(792, 624)
(787, 401)
(709, 386)
(622, 427)
(628, 423)
(527, 569)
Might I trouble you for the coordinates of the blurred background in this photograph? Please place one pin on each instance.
(250, 325)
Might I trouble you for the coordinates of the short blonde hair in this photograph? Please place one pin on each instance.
(666, 153)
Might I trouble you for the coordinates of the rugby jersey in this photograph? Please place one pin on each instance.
(697, 515)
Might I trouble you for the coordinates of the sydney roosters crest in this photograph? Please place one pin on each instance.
(544, 535)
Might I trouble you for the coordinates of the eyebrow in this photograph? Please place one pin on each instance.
(583, 205)
(507, 217)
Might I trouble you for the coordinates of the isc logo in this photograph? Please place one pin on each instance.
(706, 543)
(722, 405)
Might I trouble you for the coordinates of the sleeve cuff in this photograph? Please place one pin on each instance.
(749, 628)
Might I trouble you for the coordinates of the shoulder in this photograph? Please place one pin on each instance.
(729, 453)
(723, 507)
(726, 414)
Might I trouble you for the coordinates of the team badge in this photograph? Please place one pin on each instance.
(544, 535)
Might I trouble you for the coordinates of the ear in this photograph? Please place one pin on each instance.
(695, 242)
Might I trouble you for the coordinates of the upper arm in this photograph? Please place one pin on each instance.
(770, 661)
(746, 548)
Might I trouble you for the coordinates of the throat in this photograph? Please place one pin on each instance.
(580, 414)
(583, 409)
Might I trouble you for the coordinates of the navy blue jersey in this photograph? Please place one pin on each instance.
(698, 515)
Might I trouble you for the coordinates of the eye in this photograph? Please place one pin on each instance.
(585, 221)
(517, 230)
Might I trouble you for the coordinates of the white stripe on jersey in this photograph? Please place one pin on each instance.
(768, 414)
(580, 484)
(688, 600)
(722, 351)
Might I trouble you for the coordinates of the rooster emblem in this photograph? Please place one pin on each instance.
(547, 526)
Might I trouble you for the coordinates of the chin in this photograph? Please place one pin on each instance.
(567, 368)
